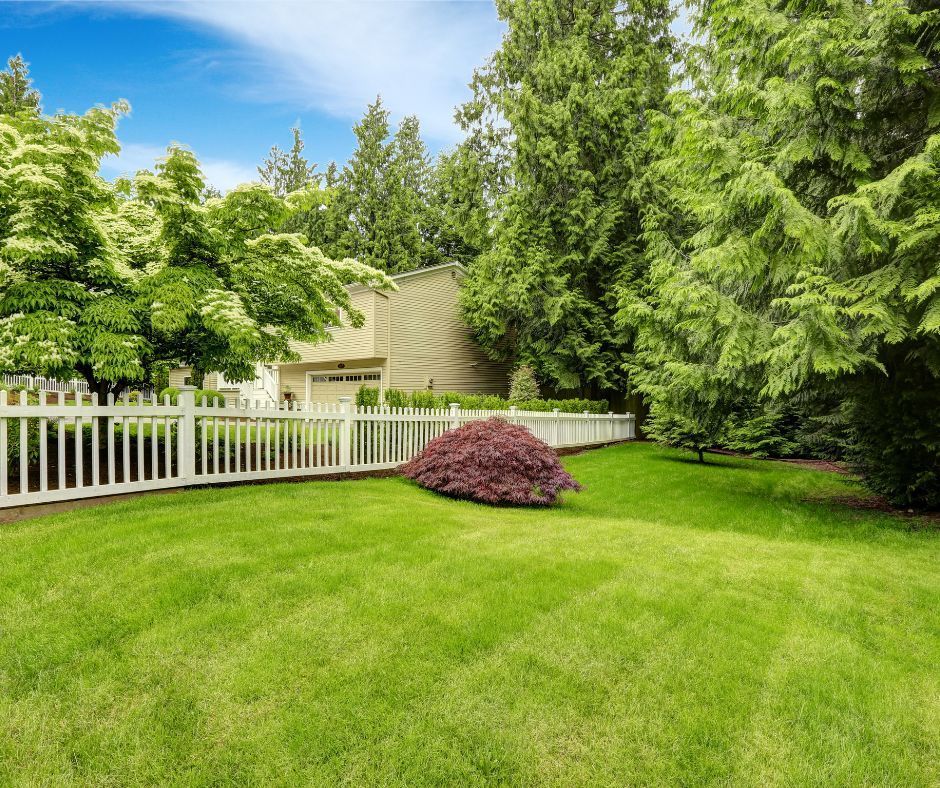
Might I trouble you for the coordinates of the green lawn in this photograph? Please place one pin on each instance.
(672, 624)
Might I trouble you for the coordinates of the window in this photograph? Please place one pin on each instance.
(340, 320)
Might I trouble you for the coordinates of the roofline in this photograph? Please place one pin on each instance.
(459, 267)
(418, 271)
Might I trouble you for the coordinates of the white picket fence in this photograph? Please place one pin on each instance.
(55, 386)
(39, 383)
(57, 450)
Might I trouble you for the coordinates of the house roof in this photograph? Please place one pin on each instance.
(420, 271)
(454, 265)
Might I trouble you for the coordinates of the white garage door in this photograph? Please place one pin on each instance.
(330, 387)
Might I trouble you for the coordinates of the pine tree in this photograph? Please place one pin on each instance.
(363, 195)
(287, 172)
(408, 220)
(16, 92)
(383, 192)
(459, 206)
(522, 384)
(562, 105)
(793, 244)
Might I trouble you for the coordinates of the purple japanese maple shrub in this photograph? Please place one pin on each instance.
(493, 462)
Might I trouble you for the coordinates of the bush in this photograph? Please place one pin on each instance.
(428, 399)
(895, 434)
(491, 461)
(522, 384)
(367, 396)
(209, 394)
(683, 426)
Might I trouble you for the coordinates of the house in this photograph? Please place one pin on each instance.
(412, 339)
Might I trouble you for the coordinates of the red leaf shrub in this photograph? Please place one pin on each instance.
(491, 461)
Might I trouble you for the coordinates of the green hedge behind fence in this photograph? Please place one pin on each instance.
(369, 395)
(209, 394)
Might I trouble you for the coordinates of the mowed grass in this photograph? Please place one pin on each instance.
(672, 624)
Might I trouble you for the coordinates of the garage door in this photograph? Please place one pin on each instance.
(329, 388)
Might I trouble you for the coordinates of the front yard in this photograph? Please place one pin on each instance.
(674, 623)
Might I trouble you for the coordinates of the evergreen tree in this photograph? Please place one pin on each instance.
(408, 219)
(363, 194)
(522, 384)
(794, 242)
(458, 206)
(382, 193)
(287, 172)
(564, 99)
(16, 91)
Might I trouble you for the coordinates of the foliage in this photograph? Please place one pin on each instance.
(768, 431)
(369, 395)
(491, 461)
(103, 281)
(16, 92)
(563, 100)
(377, 208)
(895, 435)
(287, 172)
(792, 242)
(522, 384)
(685, 426)
(211, 396)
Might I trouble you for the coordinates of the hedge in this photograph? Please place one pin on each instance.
(369, 395)
(209, 394)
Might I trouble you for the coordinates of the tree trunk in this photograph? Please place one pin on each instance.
(701, 455)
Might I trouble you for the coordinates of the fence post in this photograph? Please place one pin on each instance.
(611, 423)
(556, 438)
(186, 436)
(512, 414)
(454, 415)
(345, 431)
(631, 426)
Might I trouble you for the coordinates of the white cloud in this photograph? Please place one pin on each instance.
(221, 173)
(336, 56)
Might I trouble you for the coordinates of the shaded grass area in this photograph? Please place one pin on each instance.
(674, 623)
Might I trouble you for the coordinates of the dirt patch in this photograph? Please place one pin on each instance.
(813, 465)
(875, 503)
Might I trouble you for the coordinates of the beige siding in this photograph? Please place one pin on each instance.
(347, 342)
(413, 335)
(295, 375)
(178, 378)
(431, 341)
(381, 324)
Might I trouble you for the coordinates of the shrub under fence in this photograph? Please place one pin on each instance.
(369, 395)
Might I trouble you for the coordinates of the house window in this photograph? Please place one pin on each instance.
(339, 319)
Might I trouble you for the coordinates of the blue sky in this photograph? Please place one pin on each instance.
(229, 79)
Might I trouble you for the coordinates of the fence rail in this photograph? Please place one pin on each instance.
(55, 386)
(57, 450)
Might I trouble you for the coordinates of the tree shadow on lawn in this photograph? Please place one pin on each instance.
(766, 497)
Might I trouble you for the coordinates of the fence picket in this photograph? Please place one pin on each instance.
(306, 440)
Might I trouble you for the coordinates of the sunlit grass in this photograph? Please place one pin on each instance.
(672, 624)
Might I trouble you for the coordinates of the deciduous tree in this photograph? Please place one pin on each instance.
(105, 281)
